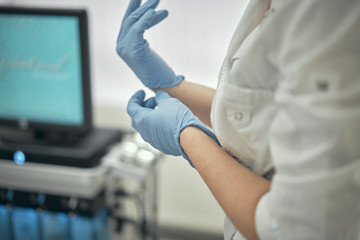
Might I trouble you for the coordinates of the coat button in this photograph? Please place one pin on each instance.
(274, 224)
(238, 116)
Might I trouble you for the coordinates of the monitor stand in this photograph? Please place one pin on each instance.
(78, 151)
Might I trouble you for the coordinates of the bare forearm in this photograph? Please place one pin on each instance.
(196, 97)
(236, 188)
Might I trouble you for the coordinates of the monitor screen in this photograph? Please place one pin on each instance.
(44, 72)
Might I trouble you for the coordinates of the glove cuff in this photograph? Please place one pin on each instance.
(177, 79)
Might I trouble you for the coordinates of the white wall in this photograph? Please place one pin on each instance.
(193, 41)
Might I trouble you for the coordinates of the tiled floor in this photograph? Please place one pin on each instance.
(185, 234)
(168, 234)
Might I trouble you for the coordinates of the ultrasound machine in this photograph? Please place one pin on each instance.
(60, 176)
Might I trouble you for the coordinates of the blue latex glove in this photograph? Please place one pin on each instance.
(135, 50)
(160, 119)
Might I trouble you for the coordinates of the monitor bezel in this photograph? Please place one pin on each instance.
(87, 124)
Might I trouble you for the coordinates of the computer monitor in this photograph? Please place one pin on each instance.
(44, 70)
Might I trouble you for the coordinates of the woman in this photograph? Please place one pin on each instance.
(287, 106)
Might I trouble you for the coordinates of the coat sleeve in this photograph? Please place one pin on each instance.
(315, 136)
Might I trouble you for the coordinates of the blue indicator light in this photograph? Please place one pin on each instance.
(41, 199)
(9, 195)
(19, 157)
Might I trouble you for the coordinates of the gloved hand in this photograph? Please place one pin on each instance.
(160, 119)
(135, 51)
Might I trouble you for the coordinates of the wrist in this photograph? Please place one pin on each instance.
(185, 137)
(188, 133)
(196, 142)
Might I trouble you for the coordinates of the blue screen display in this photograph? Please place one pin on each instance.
(40, 69)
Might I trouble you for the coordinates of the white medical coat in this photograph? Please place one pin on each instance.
(289, 98)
